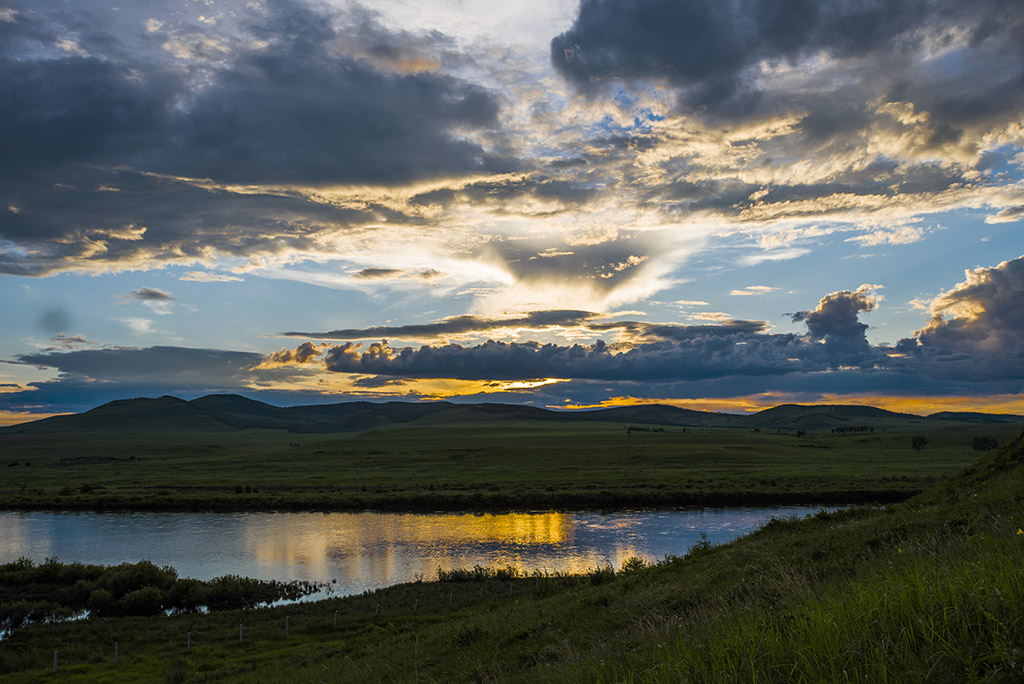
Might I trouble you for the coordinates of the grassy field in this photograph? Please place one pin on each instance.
(929, 590)
(529, 464)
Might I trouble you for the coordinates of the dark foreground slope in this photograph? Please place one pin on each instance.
(930, 590)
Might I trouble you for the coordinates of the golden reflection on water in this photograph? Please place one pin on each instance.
(370, 547)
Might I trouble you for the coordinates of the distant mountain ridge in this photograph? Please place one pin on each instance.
(224, 412)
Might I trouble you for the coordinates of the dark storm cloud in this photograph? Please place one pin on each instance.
(123, 219)
(708, 48)
(701, 357)
(835, 321)
(94, 138)
(290, 109)
(176, 366)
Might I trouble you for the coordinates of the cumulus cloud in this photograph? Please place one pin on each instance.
(835, 340)
(305, 353)
(835, 320)
(1006, 215)
(977, 328)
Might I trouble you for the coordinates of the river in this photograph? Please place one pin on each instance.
(363, 551)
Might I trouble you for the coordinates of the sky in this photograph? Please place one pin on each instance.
(713, 204)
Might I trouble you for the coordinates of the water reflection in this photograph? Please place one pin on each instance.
(368, 550)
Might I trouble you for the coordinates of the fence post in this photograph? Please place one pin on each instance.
(335, 618)
(416, 606)
(55, 662)
(449, 599)
(116, 644)
(286, 625)
(239, 632)
(377, 612)
(188, 646)
(510, 588)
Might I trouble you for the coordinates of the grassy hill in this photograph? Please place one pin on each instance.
(826, 417)
(929, 590)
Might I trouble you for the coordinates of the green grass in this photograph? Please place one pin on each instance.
(928, 590)
(510, 465)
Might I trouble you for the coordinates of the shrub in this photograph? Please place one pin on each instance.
(145, 601)
(633, 563)
(99, 601)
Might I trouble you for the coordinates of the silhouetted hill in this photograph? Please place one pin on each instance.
(973, 417)
(220, 412)
(659, 414)
(825, 417)
(142, 415)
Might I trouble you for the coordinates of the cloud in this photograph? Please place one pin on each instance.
(697, 358)
(903, 235)
(207, 277)
(1006, 215)
(456, 325)
(150, 294)
(375, 273)
(212, 150)
(972, 347)
(753, 290)
(835, 320)
(158, 301)
(305, 353)
(581, 322)
(70, 341)
(284, 105)
(977, 328)
(725, 57)
(175, 366)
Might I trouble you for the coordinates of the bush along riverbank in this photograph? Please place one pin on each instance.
(928, 590)
(53, 591)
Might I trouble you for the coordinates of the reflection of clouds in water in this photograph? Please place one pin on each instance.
(369, 550)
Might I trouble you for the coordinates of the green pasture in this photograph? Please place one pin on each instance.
(529, 464)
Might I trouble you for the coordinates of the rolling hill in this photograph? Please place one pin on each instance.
(225, 412)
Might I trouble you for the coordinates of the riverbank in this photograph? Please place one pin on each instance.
(927, 590)
(519, 500)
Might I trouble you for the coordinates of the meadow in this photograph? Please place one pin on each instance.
(927, 590)
(506, 465)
